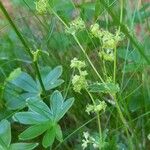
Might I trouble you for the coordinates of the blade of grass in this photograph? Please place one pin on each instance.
(23, 42)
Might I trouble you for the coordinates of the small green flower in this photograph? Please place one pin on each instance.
(75, 63)
(107, 54)
(41, 6)
(75, 26)
(101, 106)
(89, 108)
(79, 82)
(89, 140)
(108, 40)
(96, 31)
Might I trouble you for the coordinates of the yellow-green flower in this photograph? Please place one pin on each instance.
(75, 25)
(75, 63)
(101, 106)
(79, 82)
(41, 6)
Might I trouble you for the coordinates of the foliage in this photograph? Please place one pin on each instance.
(95, 51)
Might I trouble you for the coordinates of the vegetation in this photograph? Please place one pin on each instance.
(74, 75)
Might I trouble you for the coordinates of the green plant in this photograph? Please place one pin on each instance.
(108, 75)
(5, 139)
(44, 119)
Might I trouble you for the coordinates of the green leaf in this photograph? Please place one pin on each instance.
(56, 103)
(49, 137)
(59, 135)
(14, 74)
(25, 82)
(65, 107)
(19, 86)
(51, 80)
(58, 106)
(29, 118)
(104, 88)
(5, 133)
(1, 147)
(34, 131)
(17, 100)
(37, 105)
(23, 146)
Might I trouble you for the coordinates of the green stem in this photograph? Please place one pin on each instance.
(23, 42)
(84, 52)
(115, 64)
(87, 57)
(98, 121)
(114, 79)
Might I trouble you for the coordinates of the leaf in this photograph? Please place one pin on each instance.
(29, 118)
(34, 131)
(58, 106)
(104, 88)
(56, 103)
(18, 87)
(25, 82)
(17, 100)
(5, 133)
(49, 137)
(1, 147)
(55, 84)
(38, 106)
(59, 135)
(65, 107)
(23, 146)
(14, 74)
(50, 81)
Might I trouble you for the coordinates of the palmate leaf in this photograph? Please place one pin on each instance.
(23, 146)
(30, 118)
(49, 137)
(59, 135)
(38, 106)
(58, 106)
(34, 131)
(26, 83)
(48, 118)
(5, 133)
(104, 88)
(51, 79)
(20, 86)
(5, 139)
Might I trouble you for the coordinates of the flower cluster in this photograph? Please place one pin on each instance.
(89, 140)
(96, 108)
(108, 40)
(75, 26)
(41, 6)
(79, 81)
(75, 63)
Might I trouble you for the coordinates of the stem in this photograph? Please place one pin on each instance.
(87, 57)
(114, 80)
(98, 121)
(76, 39)
(24, 43)
(115, 64)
